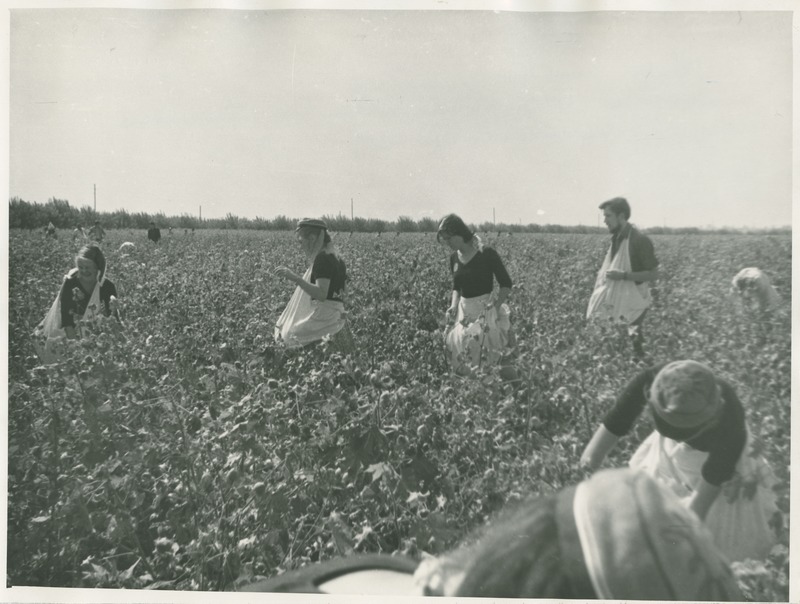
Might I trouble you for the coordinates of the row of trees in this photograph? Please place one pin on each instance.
(32, 215)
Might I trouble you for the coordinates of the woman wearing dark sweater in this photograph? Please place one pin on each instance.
(316, 309)
(481, 334)
(85, 294)
(700, 449)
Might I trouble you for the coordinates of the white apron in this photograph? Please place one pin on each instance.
(305, 320)
(618, 300)
(739, 518)
(480, 335)
(49, 337)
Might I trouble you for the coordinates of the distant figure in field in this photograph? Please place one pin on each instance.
(170, 230)
(78, 233)
(96, 232)
(316, 309)
(755, 290)
(701, 449)
(618, 536)
(127, 247)
(481, 331)
(620, 291)
(85, 294)
(154, 233)
(50, 231)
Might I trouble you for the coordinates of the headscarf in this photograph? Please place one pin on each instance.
(638, 542)
(323, 241)
(685, 394)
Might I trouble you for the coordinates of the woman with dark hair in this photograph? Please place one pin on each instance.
(316, 309)
(701, 449)
(618, 535)
(481, 330)
(85, 294)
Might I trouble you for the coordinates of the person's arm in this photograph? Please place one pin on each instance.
(503, 294)
(638, 276)
(502, 276)
(67, 321)
(450, 313)
(599, 446)
(644, 264)
(703, 498)
(318, 290)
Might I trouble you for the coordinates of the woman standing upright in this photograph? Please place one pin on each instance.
(482, 332)
(316, 309)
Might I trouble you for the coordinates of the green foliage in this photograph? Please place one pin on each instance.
(188, 452)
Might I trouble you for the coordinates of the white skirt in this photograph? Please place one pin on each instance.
(480, 336)
(739, 518)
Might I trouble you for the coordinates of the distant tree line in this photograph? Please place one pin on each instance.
(33, 215)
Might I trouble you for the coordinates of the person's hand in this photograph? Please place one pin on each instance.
(113, 304)
(450, 315)
(615, 275)
(285, 273)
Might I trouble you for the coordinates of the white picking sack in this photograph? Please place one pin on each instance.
(305, 320)
(621, 300)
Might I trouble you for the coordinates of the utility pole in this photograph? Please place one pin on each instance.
(95, 199)
(494, 220)
(351, 209)
(201, 213)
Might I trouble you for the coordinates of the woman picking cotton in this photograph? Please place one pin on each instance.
(481, 334)
(85, 295)
(316, 309)
(701, 449)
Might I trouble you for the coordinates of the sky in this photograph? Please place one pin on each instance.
(527, 117)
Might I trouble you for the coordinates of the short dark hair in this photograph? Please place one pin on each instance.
(453, 225)
(93, 252)
(618, 205)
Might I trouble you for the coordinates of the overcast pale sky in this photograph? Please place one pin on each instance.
(540, 116)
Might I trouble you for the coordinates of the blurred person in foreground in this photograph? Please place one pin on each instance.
(316, 309)
(85, 295)
(701, 449)
(620, 291)
(478, 321)
(618, 535)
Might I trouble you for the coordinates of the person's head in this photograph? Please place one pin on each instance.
(91, 263)
(313, 236)
(618, 535)
(453, 232)
(685, 395)
(616, 213)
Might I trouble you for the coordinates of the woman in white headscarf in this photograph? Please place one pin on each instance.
(755, 290)
(85, 294)
(316, 309)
